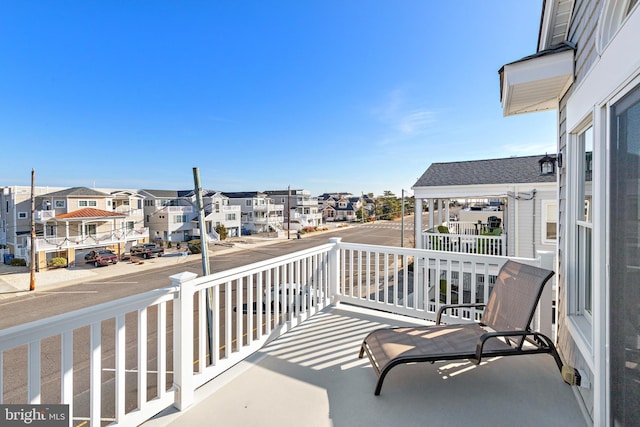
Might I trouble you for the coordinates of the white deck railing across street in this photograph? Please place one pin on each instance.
(150, 351)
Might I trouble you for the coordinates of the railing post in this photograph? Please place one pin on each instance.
(183, 339)
(545, 307)
(334, 270)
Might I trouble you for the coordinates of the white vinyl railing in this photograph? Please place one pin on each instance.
(124, 361)
(465, 243)
(90, 240)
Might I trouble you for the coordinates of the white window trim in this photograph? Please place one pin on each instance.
(579, 324)
(544, 220)
(612, 16)
(60, 204)
(23, 215)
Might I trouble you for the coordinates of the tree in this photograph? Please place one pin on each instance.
(388, 206)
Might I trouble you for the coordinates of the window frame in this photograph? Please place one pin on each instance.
(545, 204)
(580, 321)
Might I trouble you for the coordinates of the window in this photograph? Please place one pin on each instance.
(612, 17)
(22, 215)
(59, 204)
(549, 221)
(87, 203)
(231, 217)
(624, 243)
(584, 222)
(179, 219)
(91, 229)
(130, 225)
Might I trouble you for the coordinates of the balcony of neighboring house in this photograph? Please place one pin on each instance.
(44, 215)
(287, 333)
(88, 240)
(178, 209)
(129, 211)
(467, 237)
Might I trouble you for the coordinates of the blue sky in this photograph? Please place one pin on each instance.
(358, 96)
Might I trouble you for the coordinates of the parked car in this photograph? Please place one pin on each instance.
(146, 250)
(101, 257)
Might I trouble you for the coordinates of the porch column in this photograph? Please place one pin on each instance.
(431, 216)
(447, 202)
(417, 223)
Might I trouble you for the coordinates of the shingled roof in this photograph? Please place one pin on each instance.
(76, 192)
(510, 170)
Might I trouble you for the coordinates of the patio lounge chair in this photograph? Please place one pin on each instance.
(503, 329)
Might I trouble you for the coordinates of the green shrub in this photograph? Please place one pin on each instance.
(169, 246)
(222, 231)
(17, 262)
(195, 247)
(57, 262)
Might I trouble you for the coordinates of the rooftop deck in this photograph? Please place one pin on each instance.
(312, 376)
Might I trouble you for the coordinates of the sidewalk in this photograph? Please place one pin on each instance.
(15, 281)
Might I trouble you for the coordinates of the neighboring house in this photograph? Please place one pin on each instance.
(71, 221)
(15, 219)
(526, 187)
(339, 207)
(169, 214)
(587, 67)
(301, 208)
(218, 211)
(259, 213)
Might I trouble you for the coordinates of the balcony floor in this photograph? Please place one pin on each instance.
(312, 376)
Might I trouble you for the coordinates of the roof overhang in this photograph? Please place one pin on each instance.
(484, 191)
(536, 83)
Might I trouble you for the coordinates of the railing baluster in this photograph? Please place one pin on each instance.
(203, 329)
(142, 358)
(120, 367)
(214, 339)
(238, 314)
(249, 309)
(96, 373)
(227, 320)
(162, 349)
(1, 377)
(34, 372)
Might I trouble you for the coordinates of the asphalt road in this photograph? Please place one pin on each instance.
(27, 308)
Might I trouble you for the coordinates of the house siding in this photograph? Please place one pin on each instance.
(582, 33)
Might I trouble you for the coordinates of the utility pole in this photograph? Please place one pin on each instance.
(203, 234)
(402, 221)
(32, 268)
(205, 255)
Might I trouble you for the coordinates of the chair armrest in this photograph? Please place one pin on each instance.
(541, 340)
(446, 307)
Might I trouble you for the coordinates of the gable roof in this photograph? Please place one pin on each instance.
(76, 192)
(510, 170)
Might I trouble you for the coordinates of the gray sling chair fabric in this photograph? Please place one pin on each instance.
(502, 331)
